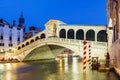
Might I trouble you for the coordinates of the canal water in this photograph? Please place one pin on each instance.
(67, 69)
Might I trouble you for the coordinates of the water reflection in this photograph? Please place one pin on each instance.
(66, 65)
(60, 69)
(64, 69)
(75, 70)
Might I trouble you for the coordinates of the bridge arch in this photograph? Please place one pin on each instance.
(23, 45)
(62, 33)
(42, 36)
(32, 40)
(102, 36)
(19, 48)
(36, 38)
(80, 34)
(27, 43)
(34, 48)
(70, 34)
(90, 35)
(50, 51)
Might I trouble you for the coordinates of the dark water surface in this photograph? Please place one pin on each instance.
(51, 70)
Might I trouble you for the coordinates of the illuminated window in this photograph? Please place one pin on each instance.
(1, 44)
(10, 44)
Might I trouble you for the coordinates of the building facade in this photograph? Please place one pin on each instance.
(10, 36)
(113, 13)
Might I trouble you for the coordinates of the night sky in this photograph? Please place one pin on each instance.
(38, 12)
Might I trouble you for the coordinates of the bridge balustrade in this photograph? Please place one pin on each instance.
(45, 41)
(101, 43)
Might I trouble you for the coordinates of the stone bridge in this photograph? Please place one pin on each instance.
(49, 48)
(58, 37)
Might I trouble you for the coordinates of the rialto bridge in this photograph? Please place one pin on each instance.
(58, 36)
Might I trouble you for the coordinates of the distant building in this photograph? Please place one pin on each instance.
(32, 31)
(10, 35)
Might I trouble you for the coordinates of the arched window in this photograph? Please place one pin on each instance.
(1, 44)
(36, 38)
(80, 34)
(70, 34)
(62, 33)
(1, 34)
(27, 43)
(42, 36)
(10, 38)
(19, 48)
(23, 45)
(102, 36)
(10, 44)
(18, 37)
(10, 35)
(90, 35)
(32, 41)
(1, 37)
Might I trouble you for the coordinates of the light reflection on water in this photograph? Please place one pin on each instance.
(65, 69)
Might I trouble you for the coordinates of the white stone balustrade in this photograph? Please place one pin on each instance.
(74, 45)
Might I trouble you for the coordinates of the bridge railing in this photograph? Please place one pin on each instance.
(101, 43)
(33, 37)
(63, 40)
(30, 46)
(57, 40)
(46, 40)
